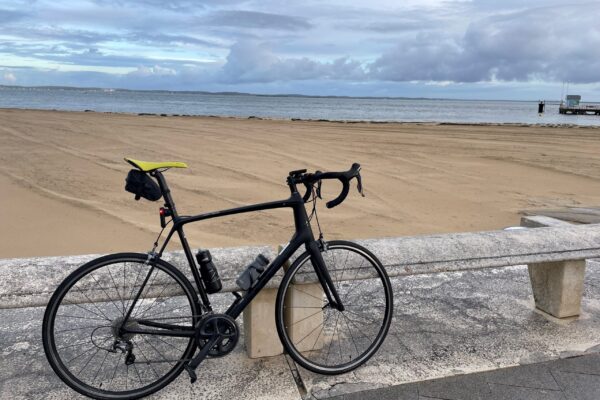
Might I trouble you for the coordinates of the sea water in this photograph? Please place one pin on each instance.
(288, 106)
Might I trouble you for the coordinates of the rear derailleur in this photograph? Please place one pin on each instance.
(126, 347)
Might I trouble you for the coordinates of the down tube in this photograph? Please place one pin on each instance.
(236, 309)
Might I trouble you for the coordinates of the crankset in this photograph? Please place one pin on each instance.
(217, 324)
(216, 335)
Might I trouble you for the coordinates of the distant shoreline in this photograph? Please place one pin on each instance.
(265, 94)
(322, 120)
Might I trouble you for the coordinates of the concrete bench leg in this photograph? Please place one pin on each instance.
(260, 332)
(558, 287)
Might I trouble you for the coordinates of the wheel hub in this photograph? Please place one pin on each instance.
(117, 327)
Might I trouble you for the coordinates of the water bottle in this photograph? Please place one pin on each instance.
(208, 271)
(252, 272)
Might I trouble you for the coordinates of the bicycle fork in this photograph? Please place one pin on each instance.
(324, 277)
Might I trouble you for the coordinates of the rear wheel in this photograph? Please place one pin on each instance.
(82, 329)
(318, 336)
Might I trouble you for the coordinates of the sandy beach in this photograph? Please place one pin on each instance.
(62, 177)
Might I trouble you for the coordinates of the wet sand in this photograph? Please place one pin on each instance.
(62, 177)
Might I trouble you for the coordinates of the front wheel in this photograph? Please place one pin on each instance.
(318, 336)
(83, 326)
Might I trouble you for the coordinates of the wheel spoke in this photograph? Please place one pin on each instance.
(153, 302)
(295, 287)
(102, 317)
(100, 368)
(101, 287)
(148, 361)
(78, 317)
(353, 323)
(118, 292)
(147, 288)
(305, 318)
(352, 337)
(332, 337)
(91, 302)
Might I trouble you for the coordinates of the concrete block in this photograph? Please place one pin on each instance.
(558, 287)
(260, 332)
(304, 316)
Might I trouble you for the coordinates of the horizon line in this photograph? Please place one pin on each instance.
(230, 93)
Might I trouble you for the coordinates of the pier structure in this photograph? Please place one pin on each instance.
(573, 106)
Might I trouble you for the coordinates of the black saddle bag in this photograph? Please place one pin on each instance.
(140, 184)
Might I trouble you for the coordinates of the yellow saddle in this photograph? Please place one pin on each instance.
(148, 166)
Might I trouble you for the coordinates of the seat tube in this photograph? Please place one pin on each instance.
(162, 183)
(190, 258)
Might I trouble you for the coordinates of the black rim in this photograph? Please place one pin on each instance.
(320, 337)
(81, 335)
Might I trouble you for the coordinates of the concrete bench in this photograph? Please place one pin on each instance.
(554, 251)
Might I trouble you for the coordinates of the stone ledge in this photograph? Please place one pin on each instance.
(30, 282)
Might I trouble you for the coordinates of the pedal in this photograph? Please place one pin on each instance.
(191, 373)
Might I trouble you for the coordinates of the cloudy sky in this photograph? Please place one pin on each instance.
(510, 49)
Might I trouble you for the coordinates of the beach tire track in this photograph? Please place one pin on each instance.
(77, 202)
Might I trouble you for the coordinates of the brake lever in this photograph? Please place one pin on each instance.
(319, 189)
(319, 184)
(307, 193)
(359, 185)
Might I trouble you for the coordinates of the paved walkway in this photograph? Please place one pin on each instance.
(576, 378)
(447, 324)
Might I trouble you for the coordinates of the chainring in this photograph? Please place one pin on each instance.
(222, 324)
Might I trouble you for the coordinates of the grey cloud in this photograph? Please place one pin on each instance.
(496, 6)
(57, 33)
(411, 20)
(255, 62)
(110, 18)
(172, 5)
(550, 43)
(258, 20)
(90, 56)
(94, 57)
(170, 39)
(400, 25)
(75, 37)
(428, 57)
(11, 15)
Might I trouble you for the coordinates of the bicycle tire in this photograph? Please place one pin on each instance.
(304, 306)
(76, 287)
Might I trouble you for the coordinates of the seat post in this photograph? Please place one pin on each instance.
(162, 182)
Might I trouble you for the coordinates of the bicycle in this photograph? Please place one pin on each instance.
(144, 322)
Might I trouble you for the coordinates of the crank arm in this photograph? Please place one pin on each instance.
(192, 365)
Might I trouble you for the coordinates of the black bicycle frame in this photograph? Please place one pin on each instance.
(302, 236)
